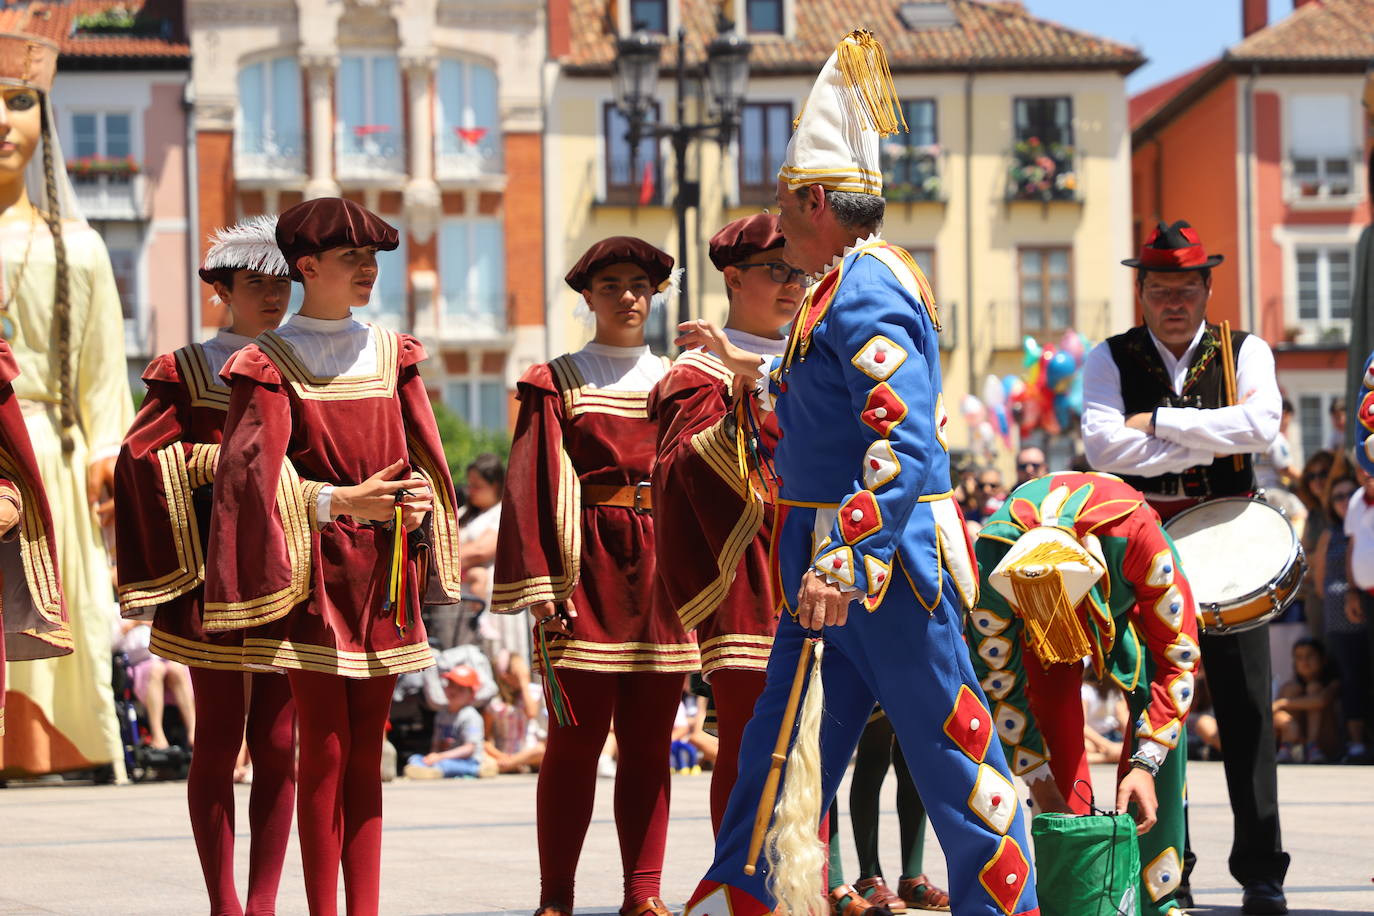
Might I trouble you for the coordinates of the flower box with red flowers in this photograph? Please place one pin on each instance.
(1041, 171)
(88, 168)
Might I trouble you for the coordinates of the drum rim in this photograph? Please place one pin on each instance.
(1297, 559)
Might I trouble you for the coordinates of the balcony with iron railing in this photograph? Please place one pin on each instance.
(465, 318)
(1042, 172)
(270, 158)
(370, 152)
(472, 156)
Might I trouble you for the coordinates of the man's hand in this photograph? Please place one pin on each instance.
(1354, 611)
(432, 758)
(1047, 796)
(702, 333)
(100, 490)
(375, 498)
(547, 615)
(1138, 786)
(820, 604)
(1144, 422)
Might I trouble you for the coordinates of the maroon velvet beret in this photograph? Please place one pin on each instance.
(620, 249)
(745, 237)
(318, 225)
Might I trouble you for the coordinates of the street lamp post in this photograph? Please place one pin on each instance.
(637, 65)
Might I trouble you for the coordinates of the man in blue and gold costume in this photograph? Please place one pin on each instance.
(866, 515)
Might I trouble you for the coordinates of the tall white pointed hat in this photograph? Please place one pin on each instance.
(852, 105)
(250, 245)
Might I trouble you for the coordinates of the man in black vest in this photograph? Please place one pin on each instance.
(1155, 414)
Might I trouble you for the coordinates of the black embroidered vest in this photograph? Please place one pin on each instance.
(1145, 385)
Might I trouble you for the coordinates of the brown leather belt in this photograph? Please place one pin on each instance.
(638, 497)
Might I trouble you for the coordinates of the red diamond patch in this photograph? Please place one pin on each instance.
(969, 726)
(883, 409)
(859, 516)
(1005, 875)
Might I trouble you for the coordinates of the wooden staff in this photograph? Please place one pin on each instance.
(770, 785)
(1228, 371)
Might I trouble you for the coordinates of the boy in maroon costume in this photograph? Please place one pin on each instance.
(164, 474)
(330, 597)
(576, 547)
(713, 496)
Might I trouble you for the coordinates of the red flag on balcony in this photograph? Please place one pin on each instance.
(470, 135)
(646, 185)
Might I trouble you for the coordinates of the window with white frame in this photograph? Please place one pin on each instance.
(388, 305)
(1314, 421)
(764, 17)
(650, 15)
(480, 401)
(631, 179)
(1325, 275)
(472, 278)
(1322, 147)
(369, 116)
(102, 146)
(469, 118)
(269, 138)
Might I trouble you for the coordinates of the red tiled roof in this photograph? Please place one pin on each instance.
(1143, 104)
(55, 21)
(1324, 30)
(1319, 36)
(988, 35)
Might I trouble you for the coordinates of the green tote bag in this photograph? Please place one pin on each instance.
(1086, 865)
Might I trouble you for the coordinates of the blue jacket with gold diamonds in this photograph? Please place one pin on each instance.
(863, 460)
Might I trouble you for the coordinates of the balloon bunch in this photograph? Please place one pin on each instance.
(1048, 394)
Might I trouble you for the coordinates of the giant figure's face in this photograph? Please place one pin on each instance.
(21, 128)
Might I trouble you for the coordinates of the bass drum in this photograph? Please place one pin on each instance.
(1243, 560)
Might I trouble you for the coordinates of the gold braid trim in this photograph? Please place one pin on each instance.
(509, 597)
(296, 502)
(443, 523)
(38, 564)
(190, 555)
(1052, 627)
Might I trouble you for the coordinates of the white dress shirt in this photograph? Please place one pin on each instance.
(1184, 437)
(619, 368)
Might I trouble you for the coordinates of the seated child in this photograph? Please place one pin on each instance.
(458, 732)
(517, 722)
(1305, 718)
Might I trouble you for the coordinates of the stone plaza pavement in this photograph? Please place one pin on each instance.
(468, 847)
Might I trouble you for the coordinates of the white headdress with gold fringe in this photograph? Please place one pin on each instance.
(852, 105)
(1043, 577)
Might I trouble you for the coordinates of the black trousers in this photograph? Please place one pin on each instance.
(1238, 675)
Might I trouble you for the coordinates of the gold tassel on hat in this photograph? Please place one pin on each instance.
(1053, 629)
(863, 64)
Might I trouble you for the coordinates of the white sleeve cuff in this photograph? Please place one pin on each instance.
(323, 503)
(1039, 774)
(1153, 751)
(763, 384)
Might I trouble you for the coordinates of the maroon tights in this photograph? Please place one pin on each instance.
(220, 714)
(735, 692)
(339, 805)
(643, 706)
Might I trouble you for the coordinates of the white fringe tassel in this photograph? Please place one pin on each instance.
(792, 847)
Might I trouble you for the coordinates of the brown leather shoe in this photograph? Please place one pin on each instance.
(876, 891)
(920, 894)
(651, 907)
(846, 901)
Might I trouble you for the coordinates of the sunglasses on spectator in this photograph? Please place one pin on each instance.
(782, 273)
(1029, 465)
(985, 485)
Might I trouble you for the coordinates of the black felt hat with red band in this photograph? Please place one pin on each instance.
(1173, 249)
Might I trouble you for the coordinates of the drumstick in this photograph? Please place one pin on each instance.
(770, 785)
(1228, 369)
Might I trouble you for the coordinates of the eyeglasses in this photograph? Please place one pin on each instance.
(1165, 295)
(782, 273)
(987, 485)
(1029, 465)
(1341, 496)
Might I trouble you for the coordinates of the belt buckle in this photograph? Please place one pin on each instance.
(640, 489)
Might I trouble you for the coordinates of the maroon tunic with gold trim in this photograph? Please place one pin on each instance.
(162, 517)
(597, 558)
(315, 595)
(33, 617)
(714, 516)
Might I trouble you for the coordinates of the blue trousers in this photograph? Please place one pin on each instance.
(914, 663)
(452, 767)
